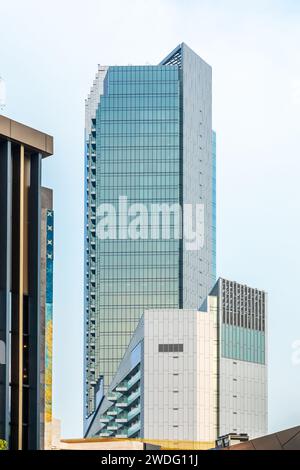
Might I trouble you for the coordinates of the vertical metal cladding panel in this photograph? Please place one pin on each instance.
(34, 275)
(5, 284)
(198, 268)
(170, 379)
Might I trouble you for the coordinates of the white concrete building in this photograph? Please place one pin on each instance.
(192, 375)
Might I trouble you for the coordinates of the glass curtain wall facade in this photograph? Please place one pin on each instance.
(243, 322)
(138, 156)
(138, 137)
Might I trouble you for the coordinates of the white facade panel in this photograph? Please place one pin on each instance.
(93, 100)
(243, 398)
(180, 388)
(198, 277)
(207, 373)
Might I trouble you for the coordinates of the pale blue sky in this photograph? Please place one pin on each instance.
(49, 53)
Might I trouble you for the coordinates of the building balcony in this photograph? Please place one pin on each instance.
(122, 418)
(134, 396)
(134, 379)
(132, 430)
(105, 419)
(113, 427)
(125, 386)
(112, 412)
(112, 397)
(133, 413)
(121, 388)
(124, 402)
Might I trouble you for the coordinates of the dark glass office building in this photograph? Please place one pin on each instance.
(21, 152)
(149, 141)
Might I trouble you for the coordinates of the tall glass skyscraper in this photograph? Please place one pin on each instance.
(149, 139)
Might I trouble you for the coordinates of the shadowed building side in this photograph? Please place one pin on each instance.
(21, 152)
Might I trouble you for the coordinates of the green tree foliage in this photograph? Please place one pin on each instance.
(3, 445)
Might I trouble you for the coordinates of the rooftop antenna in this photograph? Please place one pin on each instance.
(2, 95)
